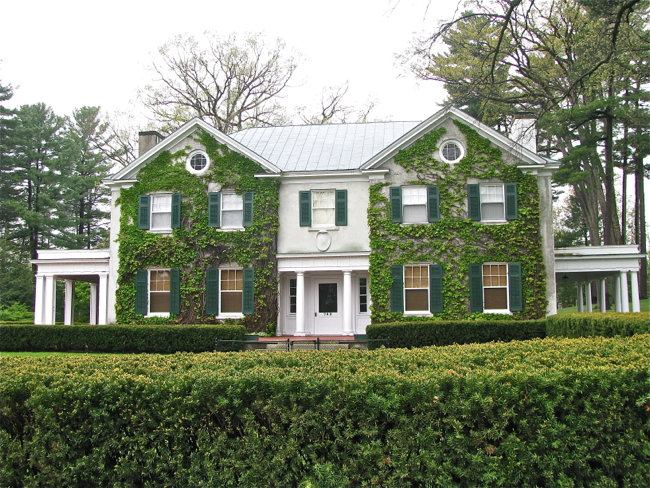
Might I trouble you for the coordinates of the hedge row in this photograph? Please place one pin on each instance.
(598, 324)
(551, 412)
(443, 333)
(116, 338)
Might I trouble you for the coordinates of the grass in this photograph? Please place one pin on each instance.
(645, 307)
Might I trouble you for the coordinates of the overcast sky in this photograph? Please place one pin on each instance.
(71, 53)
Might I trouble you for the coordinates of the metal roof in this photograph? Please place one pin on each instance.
(328, 147)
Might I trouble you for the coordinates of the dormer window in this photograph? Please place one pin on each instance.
(451, 152)
(197, 163)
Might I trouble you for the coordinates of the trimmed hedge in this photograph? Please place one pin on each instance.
(443, 333)
(551, 412)
(598, 324)
(116, 338)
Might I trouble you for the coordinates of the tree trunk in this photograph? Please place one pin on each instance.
(640, 225)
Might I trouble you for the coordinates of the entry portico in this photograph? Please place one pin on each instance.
(71, 265)
(586, 264)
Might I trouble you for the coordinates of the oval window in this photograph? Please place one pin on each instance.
(451, 152)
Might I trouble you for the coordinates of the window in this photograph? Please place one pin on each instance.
(417, 289)
(157, 292)
(292, 295)
(197, 163)
(229, 292)
(363, 295)
(230, 210)
(496, 287)
(414, 204)
(492, 202)
(159, 211)
(323, 208)
(451, 152)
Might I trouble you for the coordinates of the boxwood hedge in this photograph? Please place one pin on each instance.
(551, 412)
(443, 333)
(598, 324)
(116, 338)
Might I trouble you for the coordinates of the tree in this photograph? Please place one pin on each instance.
(86, 160)
(332, 109)
(229, 83)
(7, 125)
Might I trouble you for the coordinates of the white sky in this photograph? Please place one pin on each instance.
(71, 53)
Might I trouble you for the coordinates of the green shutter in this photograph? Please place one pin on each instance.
(214, 204)
(435, 288)
(248, 298)
(341, 213)
(516, 292)
(176, 210)
(248, 209)
(212, 291)
(474, 202)
(433, 203)
(175, 291)
(141, 292)
(397, 289)
(305, 209)
(511, 201)
(143, 212)
(476, 287)
(396, 204)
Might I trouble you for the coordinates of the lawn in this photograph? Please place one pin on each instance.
(645, 307)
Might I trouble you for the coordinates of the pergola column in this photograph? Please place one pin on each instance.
(617, 292)
(38, 300)
(49, 303)
(636, 304)
(603, 295)
(590, 308)
(68, 316)
(347, 303)
(625, 301)
(581, 298)
(300, 303)
(102, 318)
(92, 318)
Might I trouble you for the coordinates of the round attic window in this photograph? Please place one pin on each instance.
(451, 152)
(197, 163)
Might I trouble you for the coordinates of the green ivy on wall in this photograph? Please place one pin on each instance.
(196, 246)
(456, 241)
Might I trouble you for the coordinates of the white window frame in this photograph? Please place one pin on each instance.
(226, 195)
(366, 295)
(230, 315)
(486, 200)
(150, 291)
(188, 163)
(458, 144)
(425, 312)
(314, 208)
(506, 287)
(407, 197)
(293, 295)
(152, 205)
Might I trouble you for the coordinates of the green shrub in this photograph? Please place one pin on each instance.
(598, 324)
(16, 312)
(116, 338)
(443, 333)
(551, 412)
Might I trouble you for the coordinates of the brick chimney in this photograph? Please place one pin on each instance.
(147, 140)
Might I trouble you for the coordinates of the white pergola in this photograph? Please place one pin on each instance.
(584, 265)
(71, 265)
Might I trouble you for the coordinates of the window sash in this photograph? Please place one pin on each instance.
(293, 293)
(416, 288)
(495, 286)
(231, 291)
(232, 210)
(492, 202)
(414, 204)
(159, 290)
(161, 212)
(363, 295)
(323, 207)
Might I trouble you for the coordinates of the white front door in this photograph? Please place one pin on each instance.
(328, 313)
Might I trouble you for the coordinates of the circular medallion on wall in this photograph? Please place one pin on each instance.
(323, 240)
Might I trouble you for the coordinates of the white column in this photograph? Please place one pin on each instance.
(347, 303)
(590, 307)
(581, 298)
(68, 316)
(93, 304)
(102, 318)
(603, 295)
(300, 303)
(49, 305)
(625, 301)
(617, 293)
(38, 300)
(636, 304)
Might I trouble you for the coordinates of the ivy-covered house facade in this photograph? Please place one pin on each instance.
(319, 230)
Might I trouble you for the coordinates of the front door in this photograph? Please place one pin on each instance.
(328, 313)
